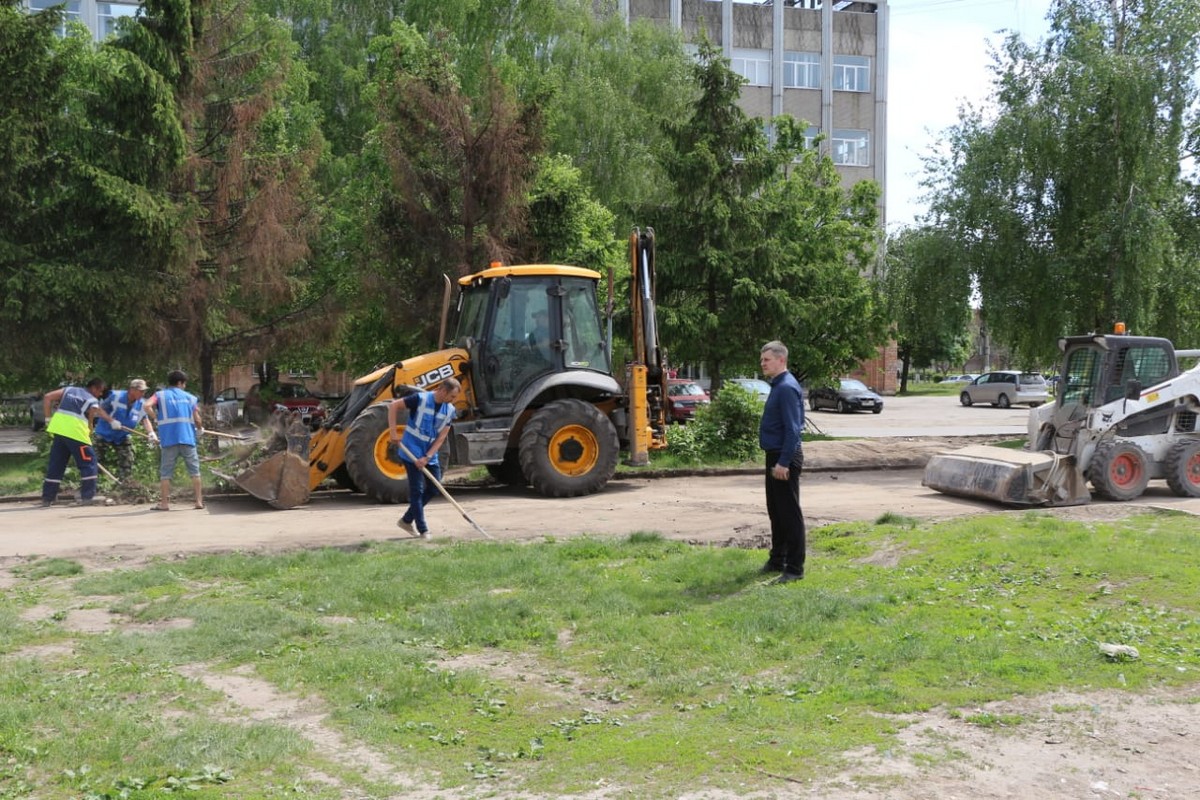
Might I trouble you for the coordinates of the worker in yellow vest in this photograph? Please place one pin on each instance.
(71, 428)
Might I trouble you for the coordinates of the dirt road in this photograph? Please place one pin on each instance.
(716, 508)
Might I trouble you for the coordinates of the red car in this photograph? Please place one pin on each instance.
(683, 398)
(295, 397)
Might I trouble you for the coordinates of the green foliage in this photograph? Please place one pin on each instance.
(664, 661)
(1065, 202)
(765, 243)
(927, 289)
(724, 430)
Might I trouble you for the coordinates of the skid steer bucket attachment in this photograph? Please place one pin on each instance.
(282, 480)
(1012, 477)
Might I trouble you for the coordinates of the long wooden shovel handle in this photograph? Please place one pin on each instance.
(442, 489)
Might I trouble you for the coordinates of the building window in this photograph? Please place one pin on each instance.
(810, 136)
(753, 65)
(802, 70)
(851, 148)
(852, 73)
(70, 13)
(107, 15)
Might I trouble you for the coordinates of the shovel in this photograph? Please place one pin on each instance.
(442, 489)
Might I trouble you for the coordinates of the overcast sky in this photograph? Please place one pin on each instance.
(938, 59)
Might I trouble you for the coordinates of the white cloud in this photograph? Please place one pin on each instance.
(939, 59)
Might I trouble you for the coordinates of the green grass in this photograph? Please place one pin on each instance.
(931, 389)
(506, 667)
(21, 473)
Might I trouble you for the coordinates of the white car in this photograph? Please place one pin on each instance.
(966, 377)
(1005, 388)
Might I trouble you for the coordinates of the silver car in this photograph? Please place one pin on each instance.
(1005, 388)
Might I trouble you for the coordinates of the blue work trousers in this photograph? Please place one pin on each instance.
(420, 491)
(62, 450)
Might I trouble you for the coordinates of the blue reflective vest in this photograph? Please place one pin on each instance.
(71, 417)
(426, 419)
(175, 412)
(119, 407)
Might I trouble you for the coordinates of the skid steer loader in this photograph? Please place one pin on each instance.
(1124, 414)
(539, 405)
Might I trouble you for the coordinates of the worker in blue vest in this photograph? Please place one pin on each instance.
(176, 413)
(429, 418)
(71, 428)
(126, 407)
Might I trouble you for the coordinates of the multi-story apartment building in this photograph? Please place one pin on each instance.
(821, 62)
(100, 18)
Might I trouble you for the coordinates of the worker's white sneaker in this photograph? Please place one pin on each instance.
(404, 524)
(424, 534)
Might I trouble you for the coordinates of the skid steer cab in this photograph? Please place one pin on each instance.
(1124, 414)
(540, 404)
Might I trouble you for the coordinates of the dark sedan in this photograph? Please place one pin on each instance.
(850, 395)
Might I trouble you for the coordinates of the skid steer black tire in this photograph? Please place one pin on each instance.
(1183, 469)
(1119, 471)
(373, 471)
(509, 470)
(568, 449)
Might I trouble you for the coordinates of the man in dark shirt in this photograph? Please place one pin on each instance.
(779, 434)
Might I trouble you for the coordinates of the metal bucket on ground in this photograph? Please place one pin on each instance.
(1012, 477)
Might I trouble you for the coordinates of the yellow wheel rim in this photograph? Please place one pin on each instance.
(390, 468)
(574, 450)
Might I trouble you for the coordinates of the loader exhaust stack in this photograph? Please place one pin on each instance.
(1012, 477)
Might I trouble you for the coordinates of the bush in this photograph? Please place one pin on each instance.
(724, 430)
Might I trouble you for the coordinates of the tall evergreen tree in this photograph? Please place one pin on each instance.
(764, 243)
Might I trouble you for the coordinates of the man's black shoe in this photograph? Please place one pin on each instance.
(788, 577)
(769, 567)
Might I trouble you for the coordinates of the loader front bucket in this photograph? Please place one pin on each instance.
(281, 480)
(1012, 477)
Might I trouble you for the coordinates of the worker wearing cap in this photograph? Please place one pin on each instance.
(125, 406)
(71, 428)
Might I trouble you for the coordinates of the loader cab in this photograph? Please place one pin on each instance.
(1100, 369)
(525, 324)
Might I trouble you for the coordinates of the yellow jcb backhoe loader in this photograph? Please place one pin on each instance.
(540, 404)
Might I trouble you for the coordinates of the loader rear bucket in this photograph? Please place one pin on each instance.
(281, 480)
(1012, 477)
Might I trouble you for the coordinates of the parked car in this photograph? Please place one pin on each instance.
(683, 398)
(1005, 387)
(755, 386)
(849, 395)
(295, 397)
(229, 406)
(966, 377)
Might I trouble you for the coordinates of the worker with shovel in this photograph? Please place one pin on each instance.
(429, 418)
(73, 438)
(125, 406)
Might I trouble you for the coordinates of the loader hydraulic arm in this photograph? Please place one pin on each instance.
(647, 374)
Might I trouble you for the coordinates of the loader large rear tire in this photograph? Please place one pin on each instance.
(367, 460)
(1183, 469)
(1119, 471)
(569, 448)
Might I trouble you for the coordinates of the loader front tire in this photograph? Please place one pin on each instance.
(367, 461)
(509, 470)
(1183, 469)
(341, 476)
(1119, 471)
(569, 448)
